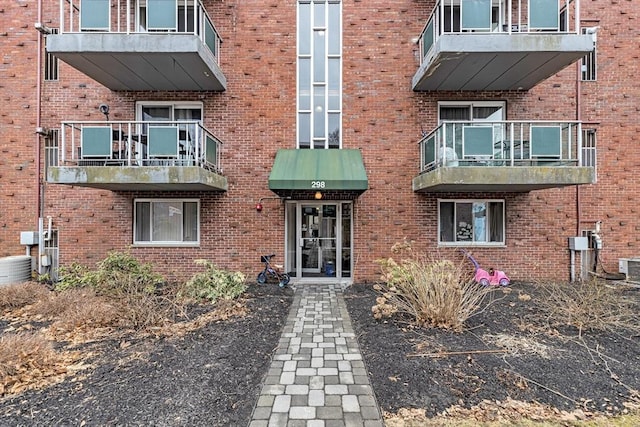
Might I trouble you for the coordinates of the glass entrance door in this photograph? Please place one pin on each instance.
(318, 239)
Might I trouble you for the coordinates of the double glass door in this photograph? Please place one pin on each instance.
(319, 239)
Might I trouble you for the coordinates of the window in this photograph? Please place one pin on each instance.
(51, 146)
(588, 63)
(166, 222)
(168, 112)
(50, 62)
(478, 111)
(471, 222)
(319, 73)
(589, 157)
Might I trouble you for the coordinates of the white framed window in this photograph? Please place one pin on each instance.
(588, 66)
(166, 222)
(488, 111)
(51, 63)
(319, 100)
(472, 222)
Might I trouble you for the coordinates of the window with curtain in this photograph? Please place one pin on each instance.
(319, 73)
(166, 221)
(471, 222)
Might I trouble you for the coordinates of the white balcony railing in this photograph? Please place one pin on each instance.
(499, 17)
(502, 144)
(140, 16)
(139, 144)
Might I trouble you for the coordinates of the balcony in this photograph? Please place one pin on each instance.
(139, 156)
(141, 44)
(499, 44)
(505, 156)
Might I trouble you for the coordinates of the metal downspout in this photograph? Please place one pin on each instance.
(39, 184)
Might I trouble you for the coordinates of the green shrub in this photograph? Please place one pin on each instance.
(213, 284)
(432, 292)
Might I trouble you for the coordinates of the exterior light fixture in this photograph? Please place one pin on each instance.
(259, 207)
(318, 195)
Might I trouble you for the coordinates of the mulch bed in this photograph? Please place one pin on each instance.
(209, 377)
(212, 376)
(509, 351)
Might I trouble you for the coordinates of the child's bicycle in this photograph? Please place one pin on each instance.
(272, 271)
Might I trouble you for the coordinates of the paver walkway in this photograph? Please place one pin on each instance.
(317, 377)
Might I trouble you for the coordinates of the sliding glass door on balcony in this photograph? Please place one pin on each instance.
(471, 140)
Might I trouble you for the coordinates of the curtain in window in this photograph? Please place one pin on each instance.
(167, 222)
(446, 221)
(143, 222)
(496, 218)
(190, 222)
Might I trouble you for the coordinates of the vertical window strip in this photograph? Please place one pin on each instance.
(319, 74)
(588, 63)
(51, 149)
(50, 62)
(589, 157)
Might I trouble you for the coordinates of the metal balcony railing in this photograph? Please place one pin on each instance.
(139, 144)
(499, 17)
(503, 144)
(140, 16)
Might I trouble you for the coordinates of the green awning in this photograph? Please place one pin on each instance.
(318, 169)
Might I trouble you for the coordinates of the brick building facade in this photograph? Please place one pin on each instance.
(390, 95)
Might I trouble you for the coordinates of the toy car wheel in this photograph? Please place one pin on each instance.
(262, 278)
(504, 282)
(484, 282)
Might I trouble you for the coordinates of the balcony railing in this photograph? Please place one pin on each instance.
(139, 144)
(502, 144)
(499, 17)
(140, 16)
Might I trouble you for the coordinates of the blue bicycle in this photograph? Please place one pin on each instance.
(272, 271)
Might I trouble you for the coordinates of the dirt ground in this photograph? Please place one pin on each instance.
(511, 361)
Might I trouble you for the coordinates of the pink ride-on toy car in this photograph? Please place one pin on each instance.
(488, 278)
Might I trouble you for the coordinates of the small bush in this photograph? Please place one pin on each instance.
(434, 293)
(213, 284)
(138, 293)
(591, 305)
(22, 294)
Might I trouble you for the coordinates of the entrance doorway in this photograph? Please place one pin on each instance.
(318, 240)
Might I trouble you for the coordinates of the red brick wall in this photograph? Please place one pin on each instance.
(382, 116)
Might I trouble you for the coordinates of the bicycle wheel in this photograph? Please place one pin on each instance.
(262, 278)
(284, 279)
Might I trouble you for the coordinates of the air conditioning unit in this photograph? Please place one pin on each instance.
(630, 267)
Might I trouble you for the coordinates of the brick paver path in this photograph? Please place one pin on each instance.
(317, 377)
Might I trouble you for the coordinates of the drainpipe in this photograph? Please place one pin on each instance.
(578, 118)
(39, 184)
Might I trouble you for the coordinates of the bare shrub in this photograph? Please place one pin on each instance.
(22, 294)
(77, 308)
(138, 294)
(433, 292)
(25, 357)
(591, 305)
